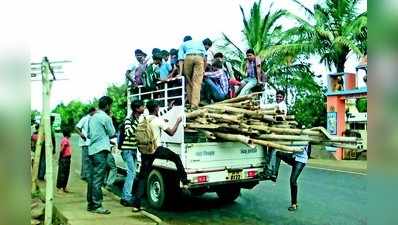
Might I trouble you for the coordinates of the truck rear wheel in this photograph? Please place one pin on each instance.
(156, 189)
(228, 194)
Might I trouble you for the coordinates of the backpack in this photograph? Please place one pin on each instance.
(146, 142)
(122, 135)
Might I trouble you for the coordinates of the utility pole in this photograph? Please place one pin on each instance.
(47, 77)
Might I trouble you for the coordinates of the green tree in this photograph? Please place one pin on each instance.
(33, 114)
(332, 30)
(260, 32)
(71, 113)
(75, 110)
(286, 70)
(362, 105)
(119, 96)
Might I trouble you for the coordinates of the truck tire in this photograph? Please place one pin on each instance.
(156, 189)
(229, 194)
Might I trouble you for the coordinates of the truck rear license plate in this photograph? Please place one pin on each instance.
(236, 175)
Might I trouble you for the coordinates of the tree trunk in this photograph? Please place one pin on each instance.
(339, 63)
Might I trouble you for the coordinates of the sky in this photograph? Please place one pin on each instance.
(99, 37)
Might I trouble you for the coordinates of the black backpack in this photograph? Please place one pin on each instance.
(122, 135)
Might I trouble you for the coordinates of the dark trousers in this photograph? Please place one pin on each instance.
(42, 162)
(42, 165)
(96, 175)
(146, 166)
(63, 172)
(297, 167)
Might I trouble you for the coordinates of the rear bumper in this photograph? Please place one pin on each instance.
(213, 186)
(222, 178)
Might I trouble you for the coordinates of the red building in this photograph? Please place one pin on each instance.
(343, 87)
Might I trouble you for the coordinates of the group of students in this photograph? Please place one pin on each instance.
(97, 129)
(208, 76)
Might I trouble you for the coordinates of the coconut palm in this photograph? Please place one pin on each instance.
(260, 31)
(332, 30)
(286, 69)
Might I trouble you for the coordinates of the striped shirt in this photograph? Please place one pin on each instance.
(130, 141)
(222, 79)
(130, 127)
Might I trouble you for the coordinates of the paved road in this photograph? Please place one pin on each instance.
(325, 197)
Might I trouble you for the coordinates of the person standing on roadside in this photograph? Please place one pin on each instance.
(81, 129)
(100, 131)
(129, 150)
(65, 155)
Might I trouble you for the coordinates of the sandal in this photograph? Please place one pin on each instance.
(101, 210)
(292, 208)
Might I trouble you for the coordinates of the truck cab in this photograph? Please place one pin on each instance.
(212, 166)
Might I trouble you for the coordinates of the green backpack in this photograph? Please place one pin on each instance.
(146, 141)
(150, 77)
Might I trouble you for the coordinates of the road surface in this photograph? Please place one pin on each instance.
(325, 197)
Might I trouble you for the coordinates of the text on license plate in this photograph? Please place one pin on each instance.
(236, 175)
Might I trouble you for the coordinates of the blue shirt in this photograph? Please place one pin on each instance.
(164, 70)
(191, 47)
(100, 130)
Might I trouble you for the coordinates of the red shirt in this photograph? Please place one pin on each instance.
(66, 149)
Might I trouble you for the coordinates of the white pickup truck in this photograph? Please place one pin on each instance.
(221, 167)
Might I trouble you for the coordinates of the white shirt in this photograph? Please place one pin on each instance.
(210, 56)
(282, 107)
(158, 124)
(83, 126)
(279, 106)
(301, 156)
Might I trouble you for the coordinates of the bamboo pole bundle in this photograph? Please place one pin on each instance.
(241, 120)
(202, 126)
(277, 146)
(335, 138)
(234, 137)
(242, 104)
(233, 110)
(201, 120)
(239, 99)
(278, 137)
(208, 134)
(228, 118)
(292, 143)
(196, 113)
(339, 145)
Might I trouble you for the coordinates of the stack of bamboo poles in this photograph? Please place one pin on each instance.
(241, 119)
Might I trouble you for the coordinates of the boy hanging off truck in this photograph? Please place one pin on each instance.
(148, 140)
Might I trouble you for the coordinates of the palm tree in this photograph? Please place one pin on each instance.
(332, 31)
(263, 33)
(260, 33)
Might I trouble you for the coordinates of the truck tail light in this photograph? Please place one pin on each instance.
(251, 173)
(202, 179)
